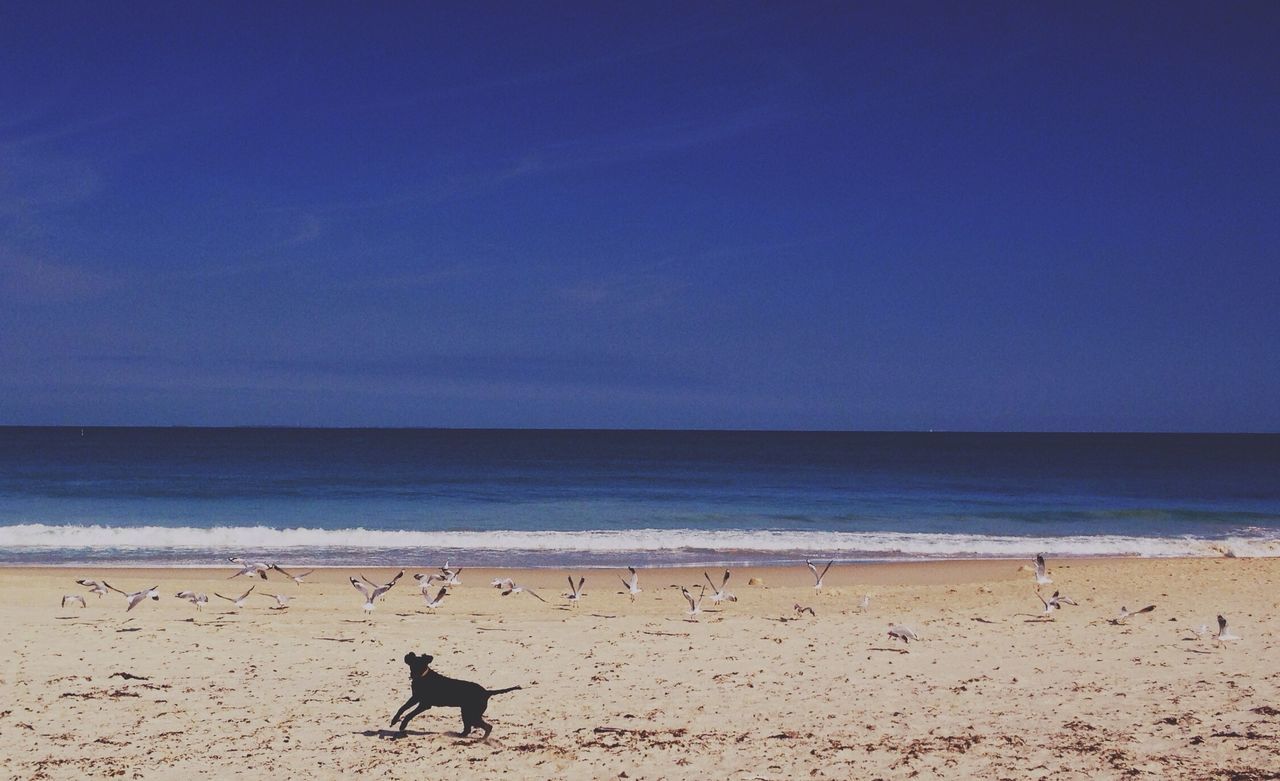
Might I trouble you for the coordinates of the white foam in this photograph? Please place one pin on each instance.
(42, 537)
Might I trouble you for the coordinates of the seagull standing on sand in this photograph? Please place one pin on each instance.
(817, 578)
(1125, 614)
(432, 604)
(295, 578)
(249, 568)
(199, 600)
(864, 604)
(575, 592)
(509, 587)
(1054, 602)
(633, 584)
(718, 595)
(135, 597)
(73, 599)
(1042, 572)
(695, 605)
(282, 600)
(237, 601)
(1224, 634)
(95, 586)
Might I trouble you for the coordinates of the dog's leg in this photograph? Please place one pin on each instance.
(403, 708)
(404, 725)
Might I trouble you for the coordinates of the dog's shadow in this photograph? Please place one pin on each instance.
(395, 734)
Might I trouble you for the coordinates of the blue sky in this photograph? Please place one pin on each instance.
(1012, 216)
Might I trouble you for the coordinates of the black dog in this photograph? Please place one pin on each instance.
(430, 688)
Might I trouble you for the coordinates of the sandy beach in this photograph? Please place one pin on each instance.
(622, 689)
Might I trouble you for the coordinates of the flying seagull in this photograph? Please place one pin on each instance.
(432, 604)
(282, 600)
(1042, 572)
(135, 597)
(904, 633)
(575, 592)
(237, 601)
(249, 568)
(632, 584)
(372, 591)
(1054, 602)
(451, 575)
(817, 578)
(695, 605)
(199, 600)
(425, 581)
(509, 587)
(1125, 614)
(73, 599)
(298, 579)
(95, 586)
(718, 595)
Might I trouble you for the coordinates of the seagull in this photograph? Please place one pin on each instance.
(135, 597)
(295, 578)
(817, 585)
(73, 599)
(904, 633)
(425, 581)
(719, 594)
(509, 587)
(802, 609)
(451, 575)
(237, 601)
(432, 604)
(95, 586)
(249, 568)
(633, 584)
(199, 600)
(1054, 602)
(1042, 572)
(695, 605)
(575, 592)
(864, 604)
(1224, 634)
(1125, 614)
(282, 600)
(372, 591)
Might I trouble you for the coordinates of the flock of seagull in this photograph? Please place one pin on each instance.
(449, 577)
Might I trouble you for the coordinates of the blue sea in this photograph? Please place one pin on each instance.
(191, 496)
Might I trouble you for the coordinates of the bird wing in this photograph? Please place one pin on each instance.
(440, 594)
(113, 588)
(134, 599)
(535, 594)
(281, 570)
(724, 582)
(708, 578)
(688, 597)
(1222, 624)
(363, 588)
(812, 568)
(1146, 609)
(824, 569)
(247, 593)
(399, 575)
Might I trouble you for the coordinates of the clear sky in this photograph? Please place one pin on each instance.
(1010, 216)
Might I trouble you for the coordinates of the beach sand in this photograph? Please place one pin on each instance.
(616, 689)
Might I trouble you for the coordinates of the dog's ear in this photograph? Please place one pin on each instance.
(409, 657)
(428, 657)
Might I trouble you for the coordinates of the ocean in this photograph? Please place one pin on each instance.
(192, 496)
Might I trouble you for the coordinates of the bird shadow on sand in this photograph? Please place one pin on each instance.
(891, 650)
(130, 629)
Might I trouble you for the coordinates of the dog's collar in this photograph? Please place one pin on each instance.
(424, 673)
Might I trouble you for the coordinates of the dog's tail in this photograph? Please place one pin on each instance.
(492, 692)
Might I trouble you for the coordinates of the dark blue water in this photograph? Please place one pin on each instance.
(330, 495)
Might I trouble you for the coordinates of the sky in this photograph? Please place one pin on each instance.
(853, 216)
